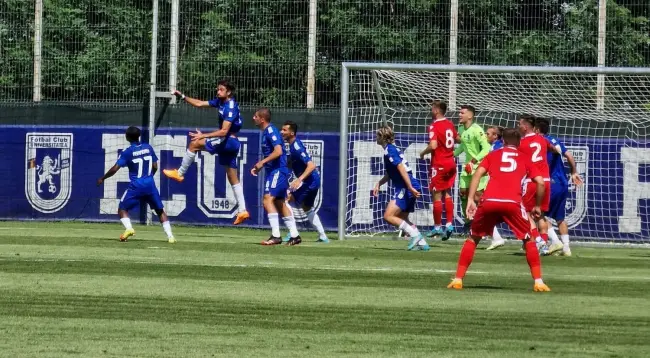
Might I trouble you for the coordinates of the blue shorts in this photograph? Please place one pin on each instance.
(405, 200)
(557, 207)
(134, 196)
(227, 150)
(276, 183)
(306, 194)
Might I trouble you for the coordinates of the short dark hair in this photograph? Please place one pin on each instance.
(511, 136)
(469, 108)
(292, 126)
(441, 105)
(265, 113)
(543, 125)
(499, 131)
(528, 118)
(133, 134)
(226, 83)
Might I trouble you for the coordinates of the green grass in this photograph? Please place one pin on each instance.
(71, 289)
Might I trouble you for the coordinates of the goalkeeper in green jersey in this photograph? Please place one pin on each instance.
(474, 144)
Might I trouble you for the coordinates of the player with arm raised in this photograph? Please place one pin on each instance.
(142, 162)
(442, 137)
(407, 189)
(304, 188)
(559, 188)
(223, 142)
(474, 144)
(276, 179)
(508, 168)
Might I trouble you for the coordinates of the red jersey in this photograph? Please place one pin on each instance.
(508, 168)
(443, 131)
(534, 147)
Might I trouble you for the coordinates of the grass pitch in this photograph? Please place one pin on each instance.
(72, 289)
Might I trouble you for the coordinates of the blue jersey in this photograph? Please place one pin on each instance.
(299, 160)
(270, 138)
(139, 158)
(555, 163)
(392, 158)
(229, 112)
(498, 144)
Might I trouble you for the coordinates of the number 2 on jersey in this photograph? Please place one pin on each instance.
(140, 163)
(509, 159)
(536, 157)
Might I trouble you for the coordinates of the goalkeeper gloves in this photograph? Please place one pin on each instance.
(468, 168)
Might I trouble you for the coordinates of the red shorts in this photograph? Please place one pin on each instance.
(529, 197)
(491, 213)
(442, 176)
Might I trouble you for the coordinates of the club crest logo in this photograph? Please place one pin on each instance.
(48, 172)
(576, 204)
(315, 149)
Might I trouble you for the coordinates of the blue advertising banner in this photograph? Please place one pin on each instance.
(51, 173)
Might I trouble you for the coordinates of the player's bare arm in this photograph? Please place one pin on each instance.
(539, 196)
(154, 168)
(193, 101)
(225, 127)
(382, 181)
(308, 170)
(429, 149)
(109, 174)
(473, 186)
(407, 180)
(277, 152)
(575, 177)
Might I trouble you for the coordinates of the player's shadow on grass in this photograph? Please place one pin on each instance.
(520, 253)
(640, 255)
(485, 287)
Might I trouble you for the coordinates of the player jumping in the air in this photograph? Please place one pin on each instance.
(475, 146)
(495, 139)
(559, 188)
(407, 189)
(142, 162)
(223, 142)
(276, 179)
(304, 189)
(442, 137)
(501, 202)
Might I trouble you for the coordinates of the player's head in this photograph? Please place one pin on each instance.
(466, 113)
(542, 125)
(262, 117)
(289, 130)
(225, 88)
(511, 136)
(133, 134)
(526, 123)
(493, 134)
(385, 135)
(438, 108)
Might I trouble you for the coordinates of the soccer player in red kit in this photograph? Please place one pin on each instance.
(442, 137)
(507, 167)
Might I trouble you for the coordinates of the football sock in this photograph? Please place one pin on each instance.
(167, 228)
(553, 235)
(565, 239)
(544, 237)
(532, 257)
(314, 220)
(127, 223)
(411, 230)
(536, 235)
(290, 223)
(437, 212)
(496, 236)
(238, 189)
(449, 210)
(188, 159)
(275, 224)
(465, 259)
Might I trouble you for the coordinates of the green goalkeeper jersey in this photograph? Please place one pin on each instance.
(474, 143)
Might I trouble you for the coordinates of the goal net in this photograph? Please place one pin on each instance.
(601, 115)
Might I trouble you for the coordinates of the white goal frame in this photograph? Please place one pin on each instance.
(453, 70)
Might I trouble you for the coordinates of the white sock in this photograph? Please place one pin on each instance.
(167, 228)
(411, 230)
(188, 159)
(539, 280)
(289, 207)
(239, 196)
(290, 223)
(314, 220)
(553, 236)
(437, 227)
(127, 223)
(422, 242)
(275, 224)
(448, 225)
(496, 236)
(565, 239)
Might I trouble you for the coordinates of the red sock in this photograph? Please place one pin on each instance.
(466, 256)
(532, 256)
(437, 212)
(449, 209)
(544, 237)
(535, 233)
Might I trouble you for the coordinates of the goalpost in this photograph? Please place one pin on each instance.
(602, 115)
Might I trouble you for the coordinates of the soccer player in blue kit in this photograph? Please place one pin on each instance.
(559, 188)
(142, 162)
(407, 189)
(304, 189)
(276, 179)
(223, 142)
